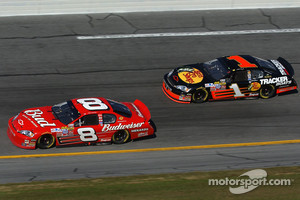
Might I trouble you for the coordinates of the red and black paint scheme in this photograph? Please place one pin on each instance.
(82, 121)
(229, 77)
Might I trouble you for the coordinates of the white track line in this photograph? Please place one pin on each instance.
(188, 34)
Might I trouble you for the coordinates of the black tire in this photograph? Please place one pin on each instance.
(121, 137)
(46, 141)
(267, 91)
(200, 95)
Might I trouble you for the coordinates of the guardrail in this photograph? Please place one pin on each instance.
(52, 7)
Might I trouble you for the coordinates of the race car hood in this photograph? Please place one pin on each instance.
(189, 75)
(34, 119)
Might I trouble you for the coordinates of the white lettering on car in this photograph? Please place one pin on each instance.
(283, 80)
(108, 127)
(279, 66)
(37, 116)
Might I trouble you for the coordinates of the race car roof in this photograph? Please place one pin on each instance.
(240, 61)
(91, 105)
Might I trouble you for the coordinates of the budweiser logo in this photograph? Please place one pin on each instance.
(108, 127)
(37, 116)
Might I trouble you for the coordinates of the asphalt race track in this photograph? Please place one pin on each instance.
(43, 63)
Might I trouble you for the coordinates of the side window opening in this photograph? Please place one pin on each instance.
(240, 75)
(256, 74)
(87, 120)
(109, 118)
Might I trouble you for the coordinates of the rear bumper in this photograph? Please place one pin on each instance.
(286, 89)
(18, 139)
(289, 88)
(174, 95)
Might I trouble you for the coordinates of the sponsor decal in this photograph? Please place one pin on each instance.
(21, 122)
(142, 134)
(37, 116)
(105, 139)
(191, 76)
(207, 85)
(249, 75)
(100, 117)
(283, 80)
(184, 97)
(254, 86)
(71, 129)
(138, 111)
(31, 144)
(139, 130)
(185, 69)
(176, 78)
(279, 66)
(120, 126)
(218, 86)
(56, 130)
(253, 94)
(65, 131)
(286, 89)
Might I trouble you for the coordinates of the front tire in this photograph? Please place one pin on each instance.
(121, 137)
(200, 95)
(267, 91)
(46, 141)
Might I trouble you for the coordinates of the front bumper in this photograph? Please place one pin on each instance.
(174, 94)
(18, 139)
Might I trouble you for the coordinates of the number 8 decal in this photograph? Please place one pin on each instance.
(92, 104)
(87, 134)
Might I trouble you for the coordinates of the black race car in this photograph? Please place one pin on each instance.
(229, 77)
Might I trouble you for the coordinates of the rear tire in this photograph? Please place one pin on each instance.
(200, 95)
(267, 91)
(121, 137)
(46, 141)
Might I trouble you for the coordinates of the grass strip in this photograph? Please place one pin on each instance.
(187, 186)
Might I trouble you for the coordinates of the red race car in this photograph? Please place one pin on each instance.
(80, 121)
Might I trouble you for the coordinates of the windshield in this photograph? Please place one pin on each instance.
(215, 69)
(265, 64)
(65, 112)
(120, 108)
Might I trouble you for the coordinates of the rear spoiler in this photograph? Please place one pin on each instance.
(143, 109)
(286, 65)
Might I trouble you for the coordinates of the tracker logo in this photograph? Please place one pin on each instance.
(108, 127)
(37, 116)
(283, 80)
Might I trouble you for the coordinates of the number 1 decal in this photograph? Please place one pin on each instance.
(243, 63)
(236, 90)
